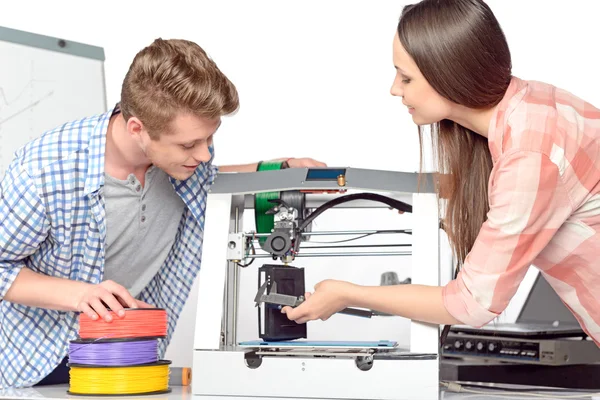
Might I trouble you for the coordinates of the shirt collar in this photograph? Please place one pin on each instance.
(96, 149)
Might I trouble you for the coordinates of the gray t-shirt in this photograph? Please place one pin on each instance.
(141, 225)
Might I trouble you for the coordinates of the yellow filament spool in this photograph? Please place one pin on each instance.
(142, 379)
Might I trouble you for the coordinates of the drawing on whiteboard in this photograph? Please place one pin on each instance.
(5, 103)
(14, 103)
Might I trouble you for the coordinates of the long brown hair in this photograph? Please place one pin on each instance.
(462, 52)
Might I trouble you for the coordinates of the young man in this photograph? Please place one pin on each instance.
(108, 211)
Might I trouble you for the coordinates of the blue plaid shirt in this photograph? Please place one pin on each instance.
(52, 220)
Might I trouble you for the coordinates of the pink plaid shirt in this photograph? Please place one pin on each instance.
(544, 194)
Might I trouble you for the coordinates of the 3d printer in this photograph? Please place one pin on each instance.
(279, 364)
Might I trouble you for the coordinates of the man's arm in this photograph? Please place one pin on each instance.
(36, 290)
(239, 168)
(23, 225)
(23, 229)
(292, 163)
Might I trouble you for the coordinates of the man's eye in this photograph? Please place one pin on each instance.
(188, 146)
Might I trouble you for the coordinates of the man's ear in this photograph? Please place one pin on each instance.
(135, 127)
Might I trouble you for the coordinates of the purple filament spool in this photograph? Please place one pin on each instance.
(122, 353)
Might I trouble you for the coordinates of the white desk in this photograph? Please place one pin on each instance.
(59, 392)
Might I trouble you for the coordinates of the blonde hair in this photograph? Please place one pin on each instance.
(171, 77)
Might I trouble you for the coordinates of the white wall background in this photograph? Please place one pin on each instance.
(314, 79)
(315, 71)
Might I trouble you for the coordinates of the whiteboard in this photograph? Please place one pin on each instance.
(45, 82)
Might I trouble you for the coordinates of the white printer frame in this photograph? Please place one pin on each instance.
(219, 364)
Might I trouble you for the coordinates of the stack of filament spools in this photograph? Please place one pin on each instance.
(119, 357)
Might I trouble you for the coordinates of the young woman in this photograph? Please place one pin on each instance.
(523, 165)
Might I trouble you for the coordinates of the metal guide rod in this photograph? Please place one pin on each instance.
(349, 254)
(352, 246)
(326, 233)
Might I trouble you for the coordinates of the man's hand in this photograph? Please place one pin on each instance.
(329, 297)
(305, 163)
(143, 304)
(95, 299)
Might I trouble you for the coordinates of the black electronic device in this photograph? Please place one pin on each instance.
(272, 324)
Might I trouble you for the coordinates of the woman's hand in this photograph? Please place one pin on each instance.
(329, 297)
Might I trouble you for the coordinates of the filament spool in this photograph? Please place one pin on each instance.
(113, 352)
(137, 323)
(119, 357)
(262, 203)
(100, 380)
(265, 222)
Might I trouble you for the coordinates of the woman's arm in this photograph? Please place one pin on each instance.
(417, 302)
